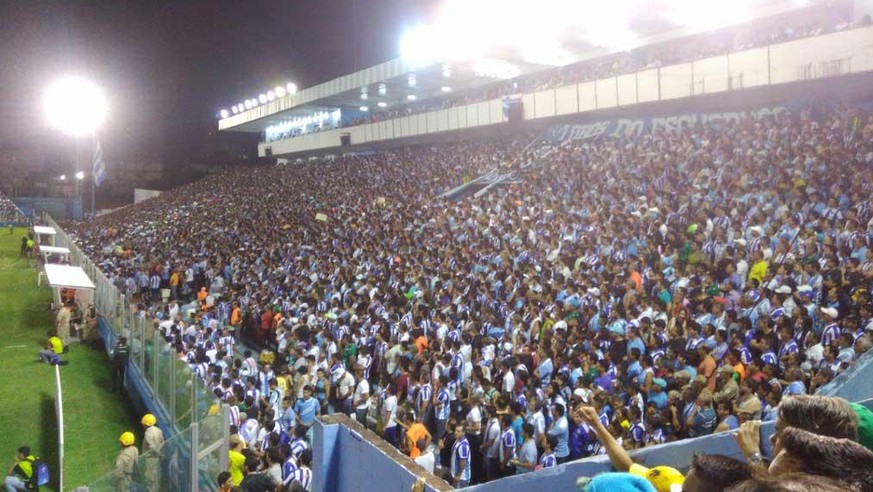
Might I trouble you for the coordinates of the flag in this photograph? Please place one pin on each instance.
(99, 165)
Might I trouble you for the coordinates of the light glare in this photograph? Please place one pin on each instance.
(364, 108)
(80, 175)
(382, 104)
(291, 88)
(280, 91)
(75, 106)
(224, 113)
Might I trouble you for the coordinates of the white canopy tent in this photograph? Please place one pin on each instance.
(48, 251)
(69, 277)
(40, 231)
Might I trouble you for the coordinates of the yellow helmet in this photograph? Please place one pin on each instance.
(127, 439)
(149, 420)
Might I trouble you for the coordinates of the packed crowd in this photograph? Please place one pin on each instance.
(643, 290)
(9, 211)
(688, 49)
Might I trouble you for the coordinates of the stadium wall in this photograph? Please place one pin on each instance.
(821, 57)
(67, 208)
(348, 457)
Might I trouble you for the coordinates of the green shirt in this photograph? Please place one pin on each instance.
(349, 351)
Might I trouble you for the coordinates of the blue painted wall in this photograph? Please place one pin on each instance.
(344, 461)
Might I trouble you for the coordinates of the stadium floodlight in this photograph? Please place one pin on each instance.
(365, 96)
(248, 104)
(75, 106)
(271, 95)
(262, 98)
(446, 88)
(62, 177)
(80, 175)
(383, 89)
(224, 113)
(291, 88)
(280, 91)
(419, 47)
(411, 97)
(254, 102)
(364, 108)
(234, 109)
(382, 104)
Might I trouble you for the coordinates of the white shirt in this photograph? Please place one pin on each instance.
(442, 331)
(492, 431)
(538, 421)
(346, 383)
(363, 388)
(389, 406)
(426, 461)
(474, 418)
(508, 383)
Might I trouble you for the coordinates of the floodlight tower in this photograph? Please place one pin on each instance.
(76, 107)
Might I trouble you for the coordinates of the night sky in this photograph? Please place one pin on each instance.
(168, 66)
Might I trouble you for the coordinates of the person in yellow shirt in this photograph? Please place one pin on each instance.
(236, 460)
(759, 268)
(174, 284)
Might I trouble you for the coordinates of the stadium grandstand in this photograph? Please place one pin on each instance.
(630, 252)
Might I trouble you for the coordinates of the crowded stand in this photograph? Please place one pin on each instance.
(9, 211)
(626, 292)
(688, 49)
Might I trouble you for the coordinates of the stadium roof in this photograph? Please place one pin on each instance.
(345, 92)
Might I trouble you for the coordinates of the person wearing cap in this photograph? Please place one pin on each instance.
(831, 331)
(152, 442)
(125, 462)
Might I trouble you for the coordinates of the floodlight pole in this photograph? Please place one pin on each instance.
(76, 174)
(93, 178)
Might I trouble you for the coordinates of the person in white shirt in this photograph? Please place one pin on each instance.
(491, 444)
(426, 459)
(536, 418)
(361, 397)
(814, 352)
(389, 414)
(508, 387)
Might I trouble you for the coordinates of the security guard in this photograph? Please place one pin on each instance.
(125, 463)
(120, 355)
(151, 448)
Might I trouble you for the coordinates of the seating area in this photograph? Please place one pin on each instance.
(678, 283)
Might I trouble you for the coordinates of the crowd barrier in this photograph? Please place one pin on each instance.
(158, 382)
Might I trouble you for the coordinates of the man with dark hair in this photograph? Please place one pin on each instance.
(527, 456)
(303, 474)
(255, 481)
(714, 473)
(21, 471)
